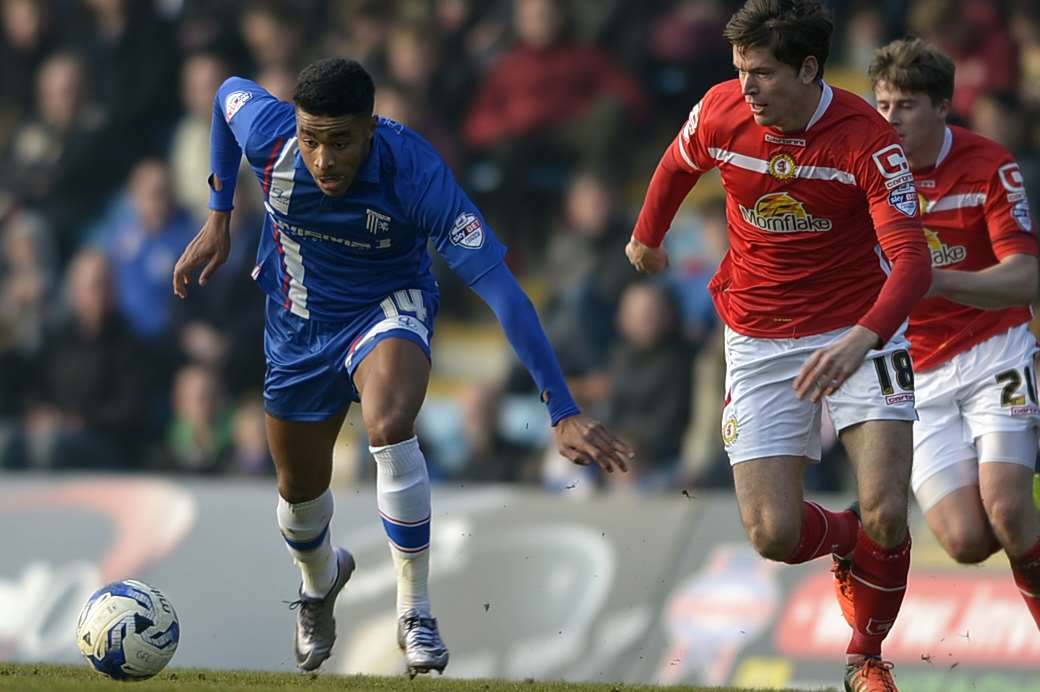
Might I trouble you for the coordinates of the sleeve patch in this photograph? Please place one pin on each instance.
(1011, 178)
(1020, 212)
(234, 102)
(891, 161)
(904, 199)
(467, 231)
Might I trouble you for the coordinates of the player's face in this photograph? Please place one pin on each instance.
(777, 94)
(334, 148)
(913, 115)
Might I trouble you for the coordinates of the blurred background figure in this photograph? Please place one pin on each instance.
(585, 271)
(91, 398)
(974, 34)
(249, 453)
(201, 74)
(551, 102)
(473, 447)
(29, 36)
(649, 411)
(199, 436)
(143, 239)
(61, 146)
(273, 32)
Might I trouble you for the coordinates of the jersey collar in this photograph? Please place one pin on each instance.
(826, 96)
(369, 171)
(944, 151)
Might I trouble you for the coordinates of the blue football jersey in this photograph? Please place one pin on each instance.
(328, 257)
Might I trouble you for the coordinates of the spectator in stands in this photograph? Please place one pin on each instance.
(549, 84)
(132, 56)
(478, 451)
(223, 328)
(61, 149)
(273, 32)
(586, 272)
(359, 30)
(201, 74)
(1003, 118)
(1025, 28)
(972, 32)
(549, 103)
(279, 80)
(143, 239)
(27, 36)
(91, 400)
(686, 53)
(650, 411)
(26, 267)
(250, 455)
(198, 439)
(26, 279)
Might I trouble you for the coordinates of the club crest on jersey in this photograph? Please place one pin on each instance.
(234, 102)
(943, 255)
(781, 166)
(779, 212)
(467, 231)
(376, 222)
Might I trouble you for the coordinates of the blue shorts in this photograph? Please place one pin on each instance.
(311, 363)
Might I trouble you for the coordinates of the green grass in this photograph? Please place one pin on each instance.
(32, 677)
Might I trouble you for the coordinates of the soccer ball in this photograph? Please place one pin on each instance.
(128, 630)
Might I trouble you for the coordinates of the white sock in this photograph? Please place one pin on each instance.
(403, 497)
(305, 528)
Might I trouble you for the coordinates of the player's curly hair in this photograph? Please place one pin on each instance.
(913, 65)
(334, 87)
(792, 29)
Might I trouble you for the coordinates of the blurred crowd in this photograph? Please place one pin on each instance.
(552, 114)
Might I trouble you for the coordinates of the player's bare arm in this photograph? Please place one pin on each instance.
(1010, 283)
(827, 369)
(646, 259)
(586, 441)
(209, 249)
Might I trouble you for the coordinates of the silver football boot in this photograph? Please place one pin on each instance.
(315, 624)
(421, 643)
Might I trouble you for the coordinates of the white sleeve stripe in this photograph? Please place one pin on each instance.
(686, 158)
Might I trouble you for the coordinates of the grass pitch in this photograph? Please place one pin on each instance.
(40, 677)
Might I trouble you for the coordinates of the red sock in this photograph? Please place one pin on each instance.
(823, 533)
(878, 585)
(1026, 570)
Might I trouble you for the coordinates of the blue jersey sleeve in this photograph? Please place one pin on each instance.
(438, 206)
(245, 119)
(499, 289)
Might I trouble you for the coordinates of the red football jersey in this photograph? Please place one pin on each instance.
(974, 213)
(804, 210)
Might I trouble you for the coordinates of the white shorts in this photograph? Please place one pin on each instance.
(990, 388)
(763, 417)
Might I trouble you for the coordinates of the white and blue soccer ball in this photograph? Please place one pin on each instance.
(128, 630)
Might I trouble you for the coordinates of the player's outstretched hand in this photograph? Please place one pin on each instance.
(646, 259)
(586, 441)
(828, 368)
(208, 249)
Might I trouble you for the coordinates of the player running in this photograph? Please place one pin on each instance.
(352, 200)
(814, 309)
(975, 443)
